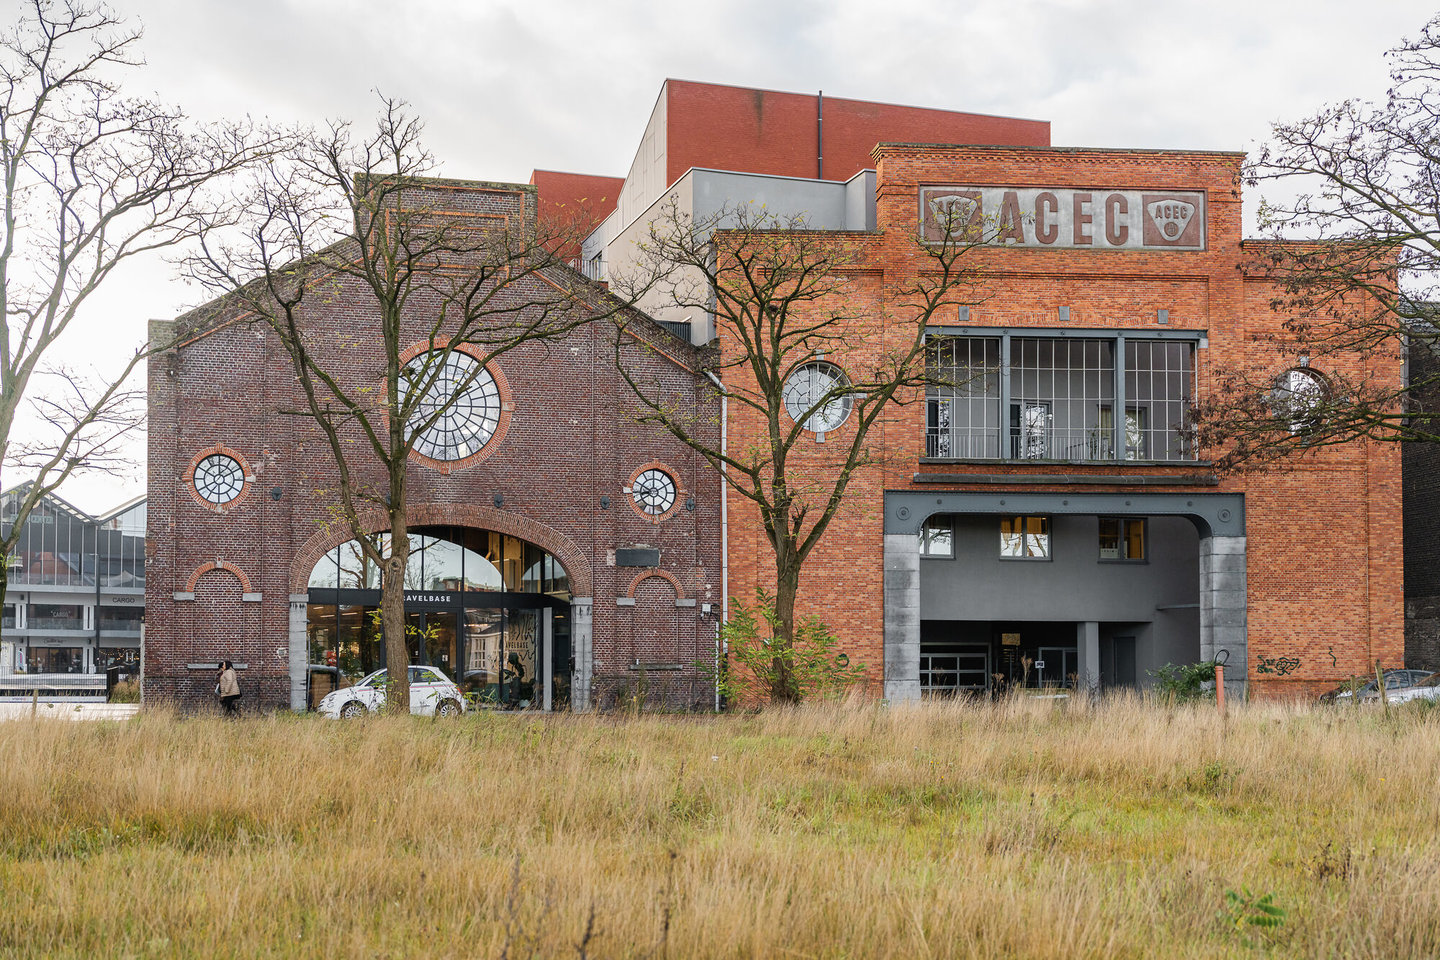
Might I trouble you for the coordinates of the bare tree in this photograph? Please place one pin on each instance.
(804, 357)
(1355, 262)
(93, 180)
(358, 217)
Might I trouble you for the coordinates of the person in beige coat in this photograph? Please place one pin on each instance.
(229, 689)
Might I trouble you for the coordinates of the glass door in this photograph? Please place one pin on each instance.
(430, 639)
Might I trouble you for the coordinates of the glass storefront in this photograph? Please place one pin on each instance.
(489, 610)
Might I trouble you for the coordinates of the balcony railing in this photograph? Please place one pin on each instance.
(55, 623)
(944, 440)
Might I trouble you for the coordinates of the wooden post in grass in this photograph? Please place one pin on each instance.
(1220, 688)
(1380, 686)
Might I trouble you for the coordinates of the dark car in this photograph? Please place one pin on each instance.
(1394, 680)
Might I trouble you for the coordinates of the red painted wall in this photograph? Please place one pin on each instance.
(575, 203)
(764, 131)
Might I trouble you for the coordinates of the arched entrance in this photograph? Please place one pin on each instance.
(490, 610)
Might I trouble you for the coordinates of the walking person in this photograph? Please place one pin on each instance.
(229, 689)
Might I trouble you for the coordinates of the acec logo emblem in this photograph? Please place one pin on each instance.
(1170, 217)
(953, 213)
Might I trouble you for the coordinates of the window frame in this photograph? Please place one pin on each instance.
(924, 539)
(1047, 531)
(1122, 539)
(1136, 357)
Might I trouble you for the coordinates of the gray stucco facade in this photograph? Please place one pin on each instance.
(1185, 602)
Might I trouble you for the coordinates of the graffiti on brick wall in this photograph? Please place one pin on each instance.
(1276, 665)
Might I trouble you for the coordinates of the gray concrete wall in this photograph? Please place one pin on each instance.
(582, 649)
(1074, 585)
(902, 619)
(299, 643)
(1223, 627)
(701, 195)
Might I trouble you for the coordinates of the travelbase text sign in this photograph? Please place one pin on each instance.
(1065, 217)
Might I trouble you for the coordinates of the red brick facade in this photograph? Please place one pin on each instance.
(810, 135)
(1324, 563)
(220, 583)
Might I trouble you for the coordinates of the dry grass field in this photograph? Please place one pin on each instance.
(1028, 829)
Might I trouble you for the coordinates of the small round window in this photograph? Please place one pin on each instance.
(219, 479)
(654, 492)
(1295, 397)
(810, 384)
(461, 406)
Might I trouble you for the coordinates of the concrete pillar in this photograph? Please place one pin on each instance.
(902, 618)
(1087, 644)
(299, 649)
(582, 647)
(1223, 606)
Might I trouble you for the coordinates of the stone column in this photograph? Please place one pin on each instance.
(902, 618)
(299, 649)
(582, 647)
(1087, 644)
(1222, 608)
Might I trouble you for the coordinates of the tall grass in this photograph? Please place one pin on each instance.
(1024, 829)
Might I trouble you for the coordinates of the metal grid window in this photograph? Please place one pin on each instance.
(1054, 398)
(469, 399)
(1058, 388)
(1158, 375)
(963, 401)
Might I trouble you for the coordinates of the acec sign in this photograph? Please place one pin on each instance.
(1065, 217)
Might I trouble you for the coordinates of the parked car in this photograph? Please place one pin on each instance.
(1425, 689)
(432, 694)
(1394, 680)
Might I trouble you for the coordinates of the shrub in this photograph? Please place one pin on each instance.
(754, 663)
(1180, 683)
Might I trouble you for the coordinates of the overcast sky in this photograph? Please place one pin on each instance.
(507, 87)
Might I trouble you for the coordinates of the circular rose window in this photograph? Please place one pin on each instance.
(654, 492)
(808, 385)
(219, 479)
(460, 409)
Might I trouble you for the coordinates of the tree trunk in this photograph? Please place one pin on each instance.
(392, 620)
(784, 685)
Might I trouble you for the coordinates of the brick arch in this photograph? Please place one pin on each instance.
(225, 565)
(663, 575)
(326, 538)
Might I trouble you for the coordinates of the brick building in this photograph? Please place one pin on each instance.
(1049, 519)
(565, 551)
(1052, 521)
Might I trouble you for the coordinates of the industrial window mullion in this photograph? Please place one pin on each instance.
(1120, 421)
(1003, 426)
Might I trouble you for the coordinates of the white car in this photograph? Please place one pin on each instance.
(1427, 689)
(432, 694)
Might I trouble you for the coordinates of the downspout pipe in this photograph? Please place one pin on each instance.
(820, 135)
(724, 530)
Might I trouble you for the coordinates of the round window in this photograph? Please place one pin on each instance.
(808, 385)
(1295, 397)
(654, 492)
(460, 409)
(219, 479)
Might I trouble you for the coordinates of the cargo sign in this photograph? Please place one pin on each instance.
(1065, 217)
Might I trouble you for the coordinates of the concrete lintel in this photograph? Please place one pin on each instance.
(250, 597)
(624, 601)
(184, 596)
(685, 603)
